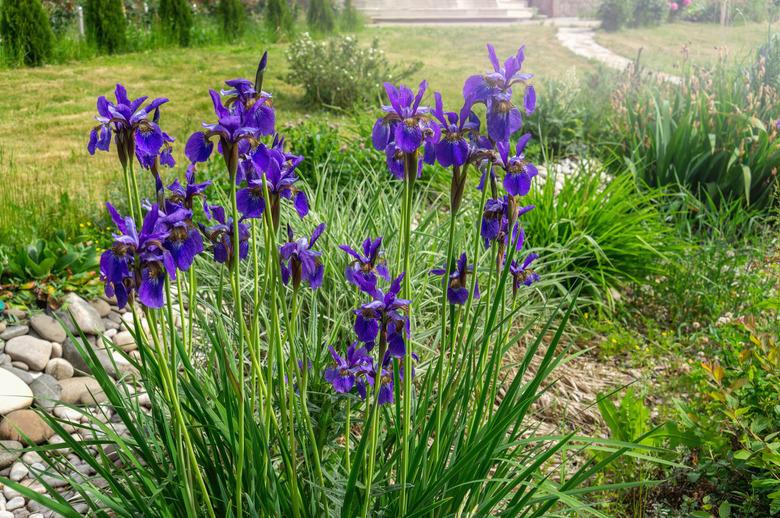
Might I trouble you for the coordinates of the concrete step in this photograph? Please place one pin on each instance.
(426, 15)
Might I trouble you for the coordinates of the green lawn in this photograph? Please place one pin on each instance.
(667, 46)
(46, 113)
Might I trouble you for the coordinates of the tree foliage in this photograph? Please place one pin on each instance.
(233, 18)
(105, 25)
(320, 16)
(278, 16)
(26, 32)
(176, 20)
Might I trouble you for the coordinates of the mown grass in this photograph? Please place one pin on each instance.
(668, 46)
(46, 113)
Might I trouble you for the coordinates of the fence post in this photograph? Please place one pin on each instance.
(80, 15)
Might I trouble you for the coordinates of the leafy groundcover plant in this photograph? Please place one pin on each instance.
(293, 376)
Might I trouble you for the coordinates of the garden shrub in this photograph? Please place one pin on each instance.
(339, 72)
(233, 18)
(27, 37)
(176, 20)
(614, 14)
(278, 16)
(320, 16)
(649, 12)
(733, 410)
(105, 25)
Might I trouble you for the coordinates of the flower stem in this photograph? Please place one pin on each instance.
(410, 175)
(373, 426)
(443, 335)
(239, 315)
(129, 192)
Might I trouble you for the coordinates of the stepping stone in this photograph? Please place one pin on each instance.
(25, 426)
(32, 351)
(48, 328)
(14, 393)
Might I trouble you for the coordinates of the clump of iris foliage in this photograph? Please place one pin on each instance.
(326, 363)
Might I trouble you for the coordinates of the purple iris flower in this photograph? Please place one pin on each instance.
(492, 216)
(522, 274)
(183, 241)
(279, 170)
(137, 262)
(405, 127)
(457, 287)
(494, 89)
(133, 130)
(350, 371)
(363, 270)
(496, 217)
(386, 317)
(452, 149)
(220, 235)
(300, 262)
(184, 195)
(235, 126)
(242, 91)
(519, 172)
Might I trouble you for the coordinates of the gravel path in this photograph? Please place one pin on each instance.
(582, 41)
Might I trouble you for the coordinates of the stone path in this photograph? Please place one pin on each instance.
(582, 41)
(41, 370)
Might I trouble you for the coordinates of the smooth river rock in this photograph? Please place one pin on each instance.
(14, 393)
(48, 328)
(32, 351)
(9, 452)
(83, 315)
(74, 388)
(25, 426)
(46, 391)
(59, 368)
(13, 332)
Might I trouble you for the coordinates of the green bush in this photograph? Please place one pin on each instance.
(733, 410)
(320, 16)
(601, 231)
(614, 14)
(233, 18)
(26, 33)
(105, 25)
(176, 20)
(649, 12)
(339, 72)
(278, 16)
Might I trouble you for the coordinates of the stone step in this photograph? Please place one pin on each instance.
(427, 15)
